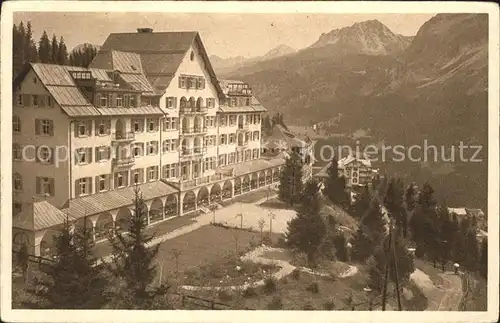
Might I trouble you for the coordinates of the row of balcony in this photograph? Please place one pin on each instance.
(193, 130)
(193, 110)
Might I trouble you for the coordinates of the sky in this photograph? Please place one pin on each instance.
(225, 35)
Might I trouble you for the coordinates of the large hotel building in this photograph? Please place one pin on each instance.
(148, 112)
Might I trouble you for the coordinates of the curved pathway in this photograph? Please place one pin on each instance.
(285, 269)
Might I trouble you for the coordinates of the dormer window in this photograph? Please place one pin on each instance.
(119, 100)
(102, 100)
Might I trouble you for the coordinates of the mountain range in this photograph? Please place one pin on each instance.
(228, 65)
(404, 90)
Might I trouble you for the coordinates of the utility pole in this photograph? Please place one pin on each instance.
(386, 270)
(396, 272)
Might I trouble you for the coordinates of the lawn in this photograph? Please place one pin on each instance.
(206, 247)
(250, 197)
(103, 249)
(275, 203)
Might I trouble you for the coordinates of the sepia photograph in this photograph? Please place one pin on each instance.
(283, 161)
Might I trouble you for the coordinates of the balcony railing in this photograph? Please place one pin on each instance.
(242, 145)
(123, 162)
(243, 126)
(123, 136)
(246, 91)
(195, 110)
(193, 152)
(193, 130)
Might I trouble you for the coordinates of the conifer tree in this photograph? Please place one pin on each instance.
(54, 50)
(335, 185)
(134, 262)
(30, 51)
(291, 180)
(363, 202)
(44, 48)
(62, 53)
(72, 281)
(371, 231)
(307, 230)
(393, 202)
(422, 223)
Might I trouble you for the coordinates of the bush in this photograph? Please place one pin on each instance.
(296, 274)
(329, 305)
(249, 292)
(313, 288)
(267, 240)
(275, 304)
(281, 243)
(225, 296)
(270, 285)
(308, 307)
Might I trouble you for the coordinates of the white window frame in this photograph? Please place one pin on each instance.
(102, 180)
(45, 127)
(137, 123)
(82, 154)
(82, 185)
(45, 155)
(82, 125)
(137, 175)
(151, 122)
(34, 99)
(120, 177)
(16, 124)
(104, 128)
(17, 183)
(151, 174)
(119, 101)
(45, 186)
(16, 152)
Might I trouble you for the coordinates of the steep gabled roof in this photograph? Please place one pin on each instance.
(161, 53)
(40, 215)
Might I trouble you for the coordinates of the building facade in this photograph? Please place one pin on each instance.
(357, 171)
(150, 113)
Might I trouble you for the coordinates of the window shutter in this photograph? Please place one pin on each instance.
(207, 102)
(108, 153)
(180, 81)
(77, 188)
(51, 126)
(52, 187)
(97, 155)
(108, 127)
(38, 185)
(89, 152)
(202, 83)
(52, 155)
(37, 126)
(97, 187)
(89, 182)
(174, 99)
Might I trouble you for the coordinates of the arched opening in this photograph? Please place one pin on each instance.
(120, 129)
(123, 220)
(19, 239)
(276, 175)
(240, 121)
(241, 139)
(199, 104)
(47, 245)
(203, 196)
(246, 184)
(237, 186)
(254, 181)
(227, 190)
(184, 146)
(192, 103)
(185, 124)
(198, 124)
(171, 206)
(103, 226)
(183, 103)
(215, 194)
(156, 211)
(197, 145)
(262, 179)
(269, 176)
(84, 224)
(189, 202)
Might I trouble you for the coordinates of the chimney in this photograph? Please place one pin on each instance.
(144, 30)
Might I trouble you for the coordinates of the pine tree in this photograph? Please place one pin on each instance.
(134, 263)
(44, 48)
(335, 185)
(445, 234)
(73, 281)
(472, 250)
(376, 263)
(54, 50)
(393, 202)
(422, 223)
(307, 230)
(341, 246)
(30, 51)
(82, 56)
(62, 53)
(371, 231)
(291, 180)
(18, 49)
